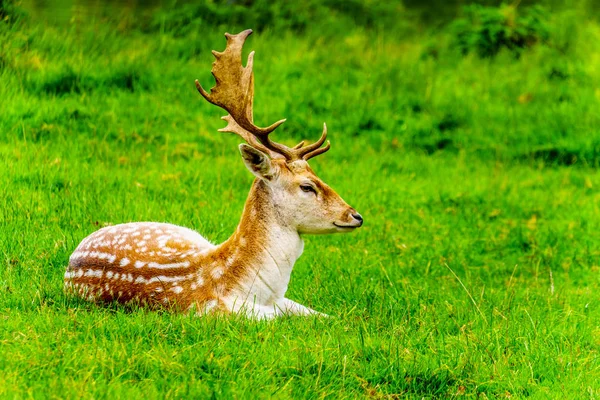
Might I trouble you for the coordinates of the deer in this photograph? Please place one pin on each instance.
(161, 265)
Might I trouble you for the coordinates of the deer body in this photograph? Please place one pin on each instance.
(180, 271)
(158, 264)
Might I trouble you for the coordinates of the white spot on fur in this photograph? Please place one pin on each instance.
(156, 265)
(140, 279)
(93, 273)
(176, 289)
(124, 261)
(217, 273)
(139, 264)
(164, 279)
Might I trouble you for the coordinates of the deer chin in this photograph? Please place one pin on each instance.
(345, 227)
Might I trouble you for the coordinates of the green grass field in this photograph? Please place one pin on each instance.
(475, 275)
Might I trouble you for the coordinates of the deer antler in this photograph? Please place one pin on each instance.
(234, 92)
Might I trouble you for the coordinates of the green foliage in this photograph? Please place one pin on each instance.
(279, 16)
(10, 12)
(487, 30)
(474, 275)
(68, 81)
(183, 19)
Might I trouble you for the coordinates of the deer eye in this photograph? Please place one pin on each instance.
(308, 189)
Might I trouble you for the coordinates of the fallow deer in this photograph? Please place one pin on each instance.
(159, 264)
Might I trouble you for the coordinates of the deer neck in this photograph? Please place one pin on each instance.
(263, 249)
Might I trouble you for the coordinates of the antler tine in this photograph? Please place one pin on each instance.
(303, 151)
(316, 152)
(233, 127)
(298, 146)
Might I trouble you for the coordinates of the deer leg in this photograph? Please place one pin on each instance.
(287, 306)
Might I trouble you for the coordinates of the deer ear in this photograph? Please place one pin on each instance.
(257, 162)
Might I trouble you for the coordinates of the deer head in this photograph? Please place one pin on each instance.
(302, 201)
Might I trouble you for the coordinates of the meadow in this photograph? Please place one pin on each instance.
(471, 147)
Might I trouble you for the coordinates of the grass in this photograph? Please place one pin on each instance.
(475, 275)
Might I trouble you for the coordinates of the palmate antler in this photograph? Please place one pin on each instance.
(234, 92)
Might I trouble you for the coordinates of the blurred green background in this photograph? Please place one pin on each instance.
(466, 133)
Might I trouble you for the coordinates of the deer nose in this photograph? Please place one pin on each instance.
(358, 218)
